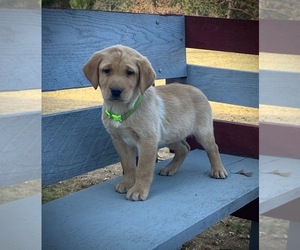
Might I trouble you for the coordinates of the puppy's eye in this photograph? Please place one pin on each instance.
(106, 70)
(129, 72)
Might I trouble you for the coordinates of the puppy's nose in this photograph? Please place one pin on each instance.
(116, 92)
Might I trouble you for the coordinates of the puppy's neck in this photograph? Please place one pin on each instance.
(120, 108)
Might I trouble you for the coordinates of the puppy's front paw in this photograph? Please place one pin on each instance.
(167, 171)
(123, 186)
(137, 193)
(218, 173)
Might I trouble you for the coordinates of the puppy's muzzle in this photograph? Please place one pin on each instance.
(116, 93)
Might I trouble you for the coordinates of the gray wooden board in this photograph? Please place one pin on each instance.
(276, 190)
(224, 85)
(20, 226)
(279, 88)
(70, 37)
(178, 208)
(20, 148)
(20, 48)
(74, 143)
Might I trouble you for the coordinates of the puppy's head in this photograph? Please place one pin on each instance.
(120, 71)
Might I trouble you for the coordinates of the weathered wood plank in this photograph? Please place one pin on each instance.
(20, 226)
(234, 138)
(20, 46)
(224, 85)
(74, 143)
(70, 37)
(20, 148)
(279, 140)
(178, 208)
(279, 88)
(77, 142)
(279, 36)
(276, 190)
(229, 35)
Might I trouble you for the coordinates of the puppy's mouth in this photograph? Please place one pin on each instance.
(112, 98)
(108, 97)
(115, 99)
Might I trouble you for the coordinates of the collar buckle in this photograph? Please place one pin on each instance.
(121, 118)
(112, 116)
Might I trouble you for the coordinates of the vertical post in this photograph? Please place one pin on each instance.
(293, 236)
(254, 236)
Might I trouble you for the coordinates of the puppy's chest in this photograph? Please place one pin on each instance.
(127, 135)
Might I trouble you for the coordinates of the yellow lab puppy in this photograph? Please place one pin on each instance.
(138, 115)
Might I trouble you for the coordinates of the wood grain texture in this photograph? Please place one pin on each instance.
(20, 148)
(276, 190)
(279, 88)
(20, 46)
(77, 142)
(178, 208)
(20, 226)
(279, 36)
(229, 35)
(224, 85)
(70, 37)
(234, 138)
(279, 140)
(74, 143)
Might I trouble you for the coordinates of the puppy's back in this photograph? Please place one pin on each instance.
(180, 97)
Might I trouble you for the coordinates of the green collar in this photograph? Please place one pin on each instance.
(121, 118)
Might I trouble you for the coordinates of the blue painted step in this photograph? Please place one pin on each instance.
(178, 208)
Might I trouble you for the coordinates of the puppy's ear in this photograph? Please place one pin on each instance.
(146, 74)
(91, 69)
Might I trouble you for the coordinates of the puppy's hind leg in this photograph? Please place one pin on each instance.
(205, 136)
(181, 150)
